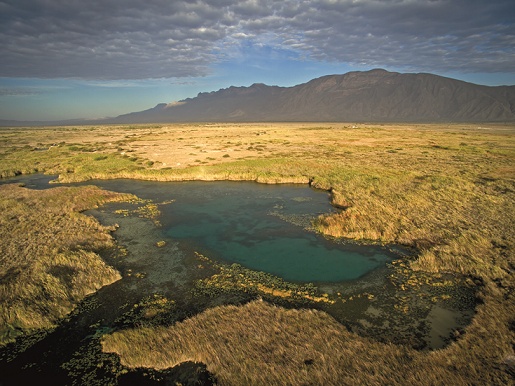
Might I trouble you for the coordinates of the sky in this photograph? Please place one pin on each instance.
(65, 59)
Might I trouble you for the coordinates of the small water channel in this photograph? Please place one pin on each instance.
(260, 227)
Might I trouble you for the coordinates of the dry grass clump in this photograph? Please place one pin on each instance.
(260, 344)
(240, 346)
(459, 225)
(47, 254)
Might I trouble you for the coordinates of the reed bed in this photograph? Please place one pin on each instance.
(48, 254)
(261, 344)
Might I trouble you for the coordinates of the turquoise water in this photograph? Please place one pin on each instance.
(263, 227)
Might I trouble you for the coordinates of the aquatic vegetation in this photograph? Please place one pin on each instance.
(145, 209)
(152, 310)
(235, 277)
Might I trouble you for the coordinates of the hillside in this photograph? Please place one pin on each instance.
(369, 96)
(374, 96)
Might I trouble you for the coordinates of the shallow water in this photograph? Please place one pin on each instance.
(32, 181)
(262, 227)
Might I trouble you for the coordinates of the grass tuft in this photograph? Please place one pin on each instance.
(48, 254)
(261, 344)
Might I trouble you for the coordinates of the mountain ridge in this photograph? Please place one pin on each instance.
(373, 96)
(359, 96)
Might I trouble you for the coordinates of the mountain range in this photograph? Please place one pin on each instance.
(361, 96)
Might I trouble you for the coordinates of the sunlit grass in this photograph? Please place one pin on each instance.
(260, 344)
(47, 254)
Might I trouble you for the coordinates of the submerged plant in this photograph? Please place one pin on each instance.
(236, 277)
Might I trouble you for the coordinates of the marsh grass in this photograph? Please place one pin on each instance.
(261, 344)
(446, 190)
(65, 161)
(48, 254)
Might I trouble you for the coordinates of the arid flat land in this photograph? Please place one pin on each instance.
(186, 145)
(446, 190)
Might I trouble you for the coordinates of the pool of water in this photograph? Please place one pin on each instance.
(264, 228)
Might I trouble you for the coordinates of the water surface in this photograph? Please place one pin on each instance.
(263, 227)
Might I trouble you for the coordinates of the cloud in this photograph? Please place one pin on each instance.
(24, 91)
(132, 39)
(443, 35)
(18, 91)
(108, 39)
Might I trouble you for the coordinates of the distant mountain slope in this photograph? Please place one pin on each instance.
(369, 96)
(374, 96)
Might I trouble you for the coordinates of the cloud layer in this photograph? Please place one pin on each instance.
(133, 39)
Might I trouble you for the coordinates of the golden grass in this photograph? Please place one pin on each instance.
(260, 344)
(47, 254)
(447, 190)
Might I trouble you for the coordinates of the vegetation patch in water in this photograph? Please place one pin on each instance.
(145, 209)
(235, 277)
(153, 310)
